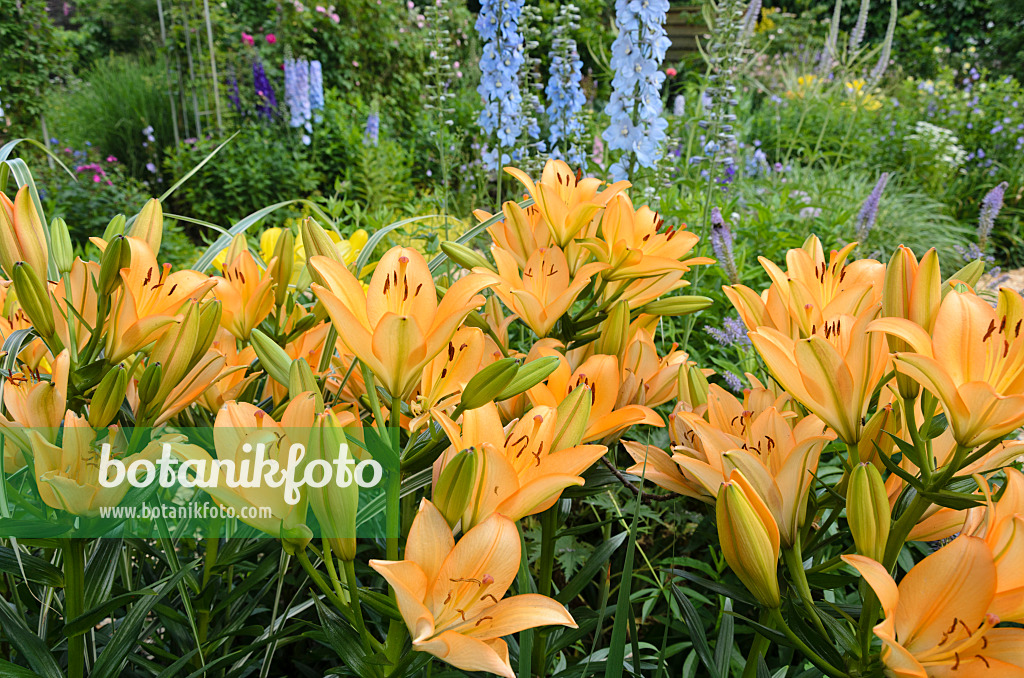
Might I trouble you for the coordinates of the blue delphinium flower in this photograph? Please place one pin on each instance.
(564, 91)
(869, 211)
(372, 131)
(990, 206)
(297, 95)
(267, 105)
(635, 106)
(316, 89)
(498, 26)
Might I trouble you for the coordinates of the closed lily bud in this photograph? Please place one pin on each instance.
(528, 376)
(693, 386)
(749, 538)
(281, 266)
(486, 384)
(116, 255)
(109, 396)
(114, 228)
(454, 489)
(466, 257)
(301, 380)
(60, 241)
(969, 274)
(867, 511)
(209, 324)
(573, 415)
(317, 243)
(275, 361)
(149, 225)
(675, 306)
(34, 299)
(149, 384)
(911, 290)
(238, 245)
(335, 504)
(614, 331)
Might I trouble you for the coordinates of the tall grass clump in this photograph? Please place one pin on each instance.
(111, 105)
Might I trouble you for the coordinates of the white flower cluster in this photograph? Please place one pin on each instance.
(941, 141)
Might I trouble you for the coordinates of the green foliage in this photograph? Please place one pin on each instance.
(261, 166)
(103, 27)
(111, 106)
(34, 54)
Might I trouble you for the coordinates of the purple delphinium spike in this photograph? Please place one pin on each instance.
(721, 242)
(869, 211)
(990, 206)
(264, 91)
(372, 129)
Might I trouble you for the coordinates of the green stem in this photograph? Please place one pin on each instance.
(393, 529)
(74, 602)
(807, 652)
(757, 648)
(795, 564)
(322, 585)
(548, 526)
(209, 561)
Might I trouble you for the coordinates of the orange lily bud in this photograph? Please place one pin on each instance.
(867, 511)
(109, 396)
(334, 505)
(454, 488)
(301, 380)
(274, 359)
(676, 306)
(114, 228)
(60, 241)
(614, 330)
(22, 235)
(116, 256)
(750, 538)
(486, 384)
(282, 264)
(149, 225)
(466, 257)
(528, 376)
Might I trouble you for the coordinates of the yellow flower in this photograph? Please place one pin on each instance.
(451, 595)
(861, 96)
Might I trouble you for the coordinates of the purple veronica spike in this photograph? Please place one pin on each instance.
(990, 206)
(869, 211)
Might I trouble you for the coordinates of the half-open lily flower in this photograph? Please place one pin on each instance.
(520, 469)
(451, 595)
(567, 203)
(520, 233)
(545, 290)
(247, 292)
(811, 292)
(600, 374)
(77, 302)
(233, 379)
(148, 300)
(938, 621)
(833, 373)
(22, 234)
(396, 326)
(973, 362)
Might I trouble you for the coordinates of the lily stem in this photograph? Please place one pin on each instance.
(795, 564)
(807, 652)
(393, 524)
(757, 648)
(74, 602)
(548, 526)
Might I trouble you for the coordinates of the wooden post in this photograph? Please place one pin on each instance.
(213, 65)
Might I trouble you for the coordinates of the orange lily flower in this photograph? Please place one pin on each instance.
(973, 362)
(148, 300)
(1002, 528)
(546, 289)
(520, 233)
(938, 621)
(232, 379)
(22, 237)
(520, 471)
(599, 373)
(396, 326)
(247, 292)
(633, 246)
(451, 595)
(447, 374)
(239, 425)
(34, 406)
(833, 372)
(12, 318)
(68, 476)
(811, 292)
(567, 204)
(654, 379)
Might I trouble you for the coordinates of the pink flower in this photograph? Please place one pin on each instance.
(335, 18)
(321, 9)
(671, 72)
(96, 178)
(355, 64)
(111, 158)
(271, 38)
(248, 39)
